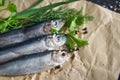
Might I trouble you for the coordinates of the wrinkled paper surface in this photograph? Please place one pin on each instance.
(97, 61)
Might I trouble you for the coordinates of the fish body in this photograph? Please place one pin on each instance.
(17, 36)
(34, 63)
(45, 43)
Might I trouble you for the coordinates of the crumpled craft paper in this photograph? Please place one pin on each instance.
(97, 61)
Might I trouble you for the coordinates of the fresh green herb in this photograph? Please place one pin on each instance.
(70, 43)
(32, 15)
(74, 22)
(73, 41)
(72, 25)
(2, 2)
(18, 20)
(11, 7)
(32, 12)
(54, 31)
(79, 42)
(10, 22)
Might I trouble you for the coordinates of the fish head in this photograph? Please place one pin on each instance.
(57, 24)
(59, 39)
(55, 41)
(61, 56)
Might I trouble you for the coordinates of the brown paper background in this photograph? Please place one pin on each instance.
(97, 61)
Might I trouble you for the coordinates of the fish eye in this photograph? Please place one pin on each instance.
(63, 54)
(55, 22)
(58, 38)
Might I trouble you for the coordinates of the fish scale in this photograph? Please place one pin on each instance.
(34, 63)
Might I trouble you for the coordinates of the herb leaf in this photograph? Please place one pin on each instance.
(73, 41)
(54, 31)
(80, 20)
(73, 25)
(11, 7)
(79, 42)
(2, 2)
(70, 43)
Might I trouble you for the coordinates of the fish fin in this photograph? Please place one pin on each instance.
(50, 48)
(72, 58)
(57, 69)
(52, 72)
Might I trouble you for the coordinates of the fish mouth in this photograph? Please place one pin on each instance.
(62, 22)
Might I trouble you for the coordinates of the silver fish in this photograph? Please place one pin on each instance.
(17, 36)
(48, 42)
(34, 63)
